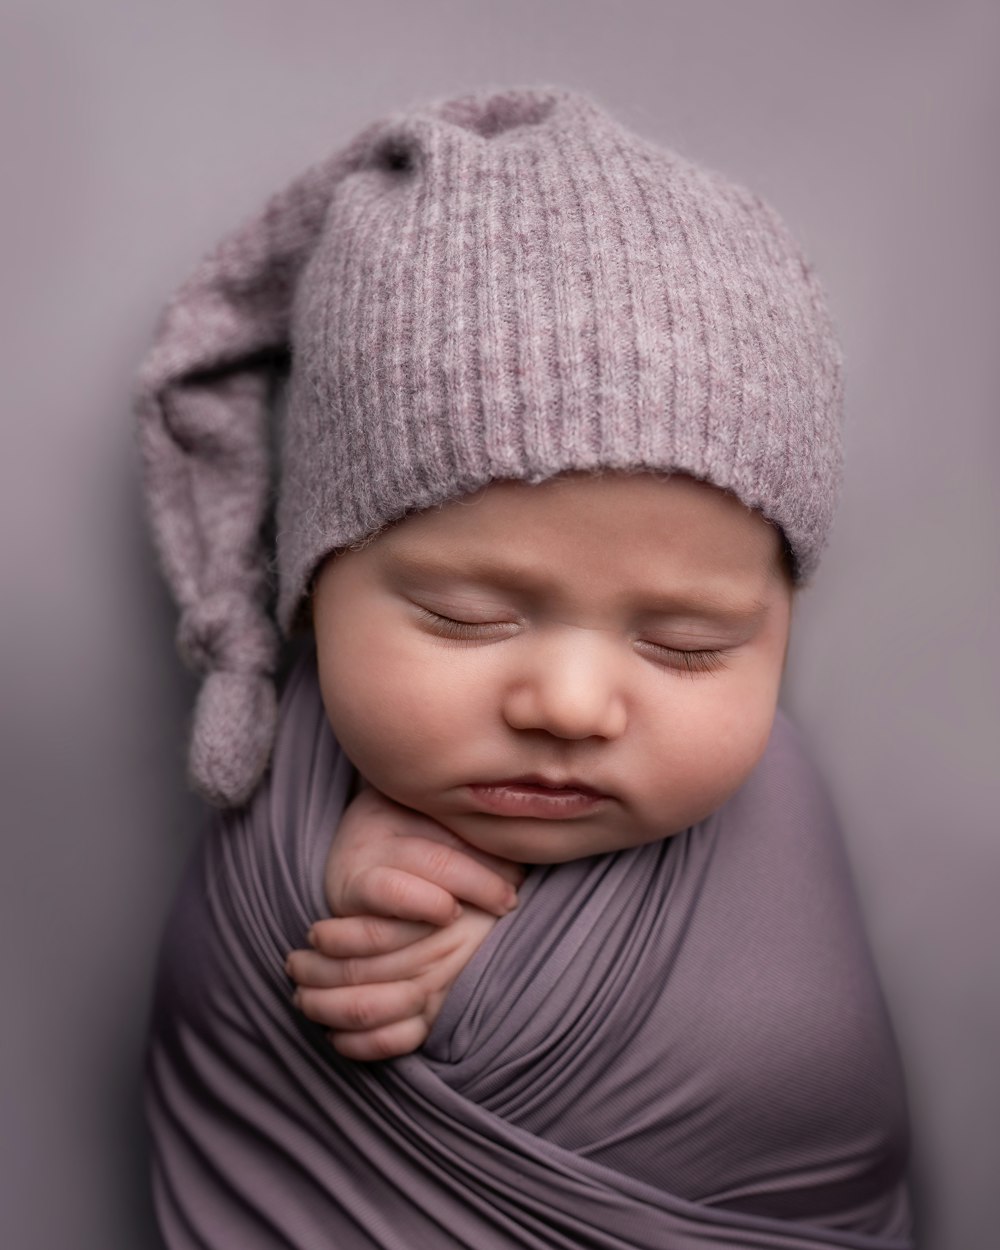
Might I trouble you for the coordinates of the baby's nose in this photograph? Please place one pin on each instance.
(569, 690)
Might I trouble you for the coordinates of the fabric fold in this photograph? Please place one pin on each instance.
(679, 1046)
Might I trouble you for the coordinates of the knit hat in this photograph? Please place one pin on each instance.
(504, 285)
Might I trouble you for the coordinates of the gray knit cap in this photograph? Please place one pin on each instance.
(508, 284)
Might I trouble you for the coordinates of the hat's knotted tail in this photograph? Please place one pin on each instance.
(202, 400)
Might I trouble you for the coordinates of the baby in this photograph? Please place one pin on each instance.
(561, 445)
(619, 639)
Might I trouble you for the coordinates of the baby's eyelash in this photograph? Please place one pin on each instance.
(686, 662)
(692, 662)
(461, 629)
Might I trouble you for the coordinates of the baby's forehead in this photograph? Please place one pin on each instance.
(610, 507)
(612, 534)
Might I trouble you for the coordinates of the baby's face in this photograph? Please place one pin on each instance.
(624, 632)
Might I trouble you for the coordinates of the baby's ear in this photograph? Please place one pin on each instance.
(202, 399)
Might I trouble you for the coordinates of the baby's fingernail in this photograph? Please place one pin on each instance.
(311, 937)
(456, 911)
(288, 966)
(511, 901)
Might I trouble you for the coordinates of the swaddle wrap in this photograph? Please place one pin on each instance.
(674, 1047)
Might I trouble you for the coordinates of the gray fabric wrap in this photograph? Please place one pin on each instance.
(678, 1047)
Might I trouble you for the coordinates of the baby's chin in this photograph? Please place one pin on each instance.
(525, 840)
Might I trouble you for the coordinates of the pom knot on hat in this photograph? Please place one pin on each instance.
(224, 631)
(503, 285)
(227, 638)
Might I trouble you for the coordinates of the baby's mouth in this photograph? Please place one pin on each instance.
(548, 785)
(519, 797)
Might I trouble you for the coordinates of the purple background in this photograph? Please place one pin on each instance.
(135, 135)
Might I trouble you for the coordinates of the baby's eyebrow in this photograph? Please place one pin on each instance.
(472, 568)
(725, 608)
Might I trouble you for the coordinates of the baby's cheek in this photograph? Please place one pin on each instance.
(388, 723)
(730, 767)
(353, 709)
(708, 764)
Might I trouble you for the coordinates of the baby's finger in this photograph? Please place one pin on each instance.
(457, 872)
(352, 937)
(400, 1038)
(308, 968)
(361, 1008)
(392, 892)
(506, 868)
(512, 873)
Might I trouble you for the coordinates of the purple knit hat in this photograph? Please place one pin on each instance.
(508, 284)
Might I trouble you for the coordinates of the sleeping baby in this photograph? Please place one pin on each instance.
(561, 447)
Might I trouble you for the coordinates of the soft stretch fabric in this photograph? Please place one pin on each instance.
(677, 1047)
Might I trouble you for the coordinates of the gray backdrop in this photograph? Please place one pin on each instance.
(136, 134)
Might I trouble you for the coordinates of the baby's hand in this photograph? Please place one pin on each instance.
(388, 860)
(379, 971)
(379, 983)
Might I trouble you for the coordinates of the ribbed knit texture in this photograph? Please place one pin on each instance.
(505, 285)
